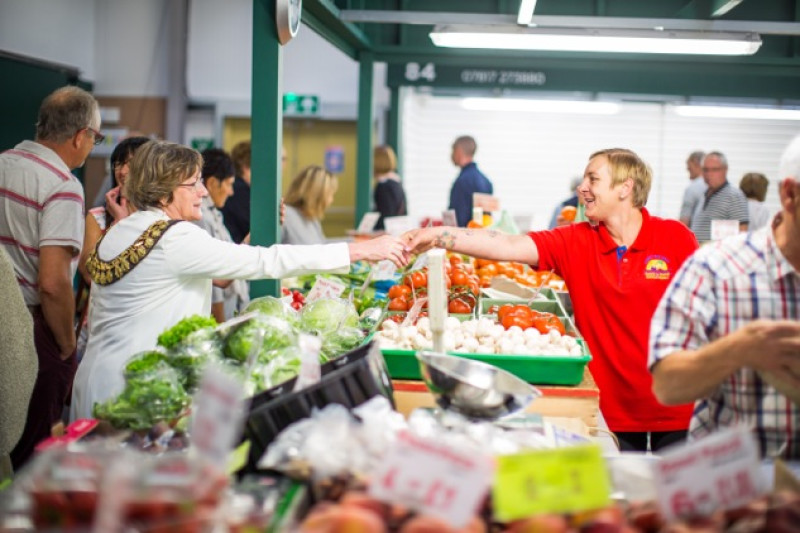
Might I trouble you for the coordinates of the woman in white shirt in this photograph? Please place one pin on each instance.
(310, 194)
(150, 270)
(754, 186)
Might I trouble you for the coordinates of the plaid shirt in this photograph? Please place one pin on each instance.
(718, 290)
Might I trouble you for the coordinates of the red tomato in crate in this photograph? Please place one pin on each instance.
(416, 279)
(458, 306)
(399, 304)
(547, 321)
(521, 322)
(397, 291)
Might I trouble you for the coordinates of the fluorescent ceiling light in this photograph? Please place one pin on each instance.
(540, 106)
(596, 40)
(715, 111)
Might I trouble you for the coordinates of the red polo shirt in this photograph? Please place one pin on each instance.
(614, 294)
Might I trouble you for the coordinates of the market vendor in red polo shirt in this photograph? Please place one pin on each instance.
(617, 270)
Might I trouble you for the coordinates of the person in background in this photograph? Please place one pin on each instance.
(389, 196)
(98, 220)
(720, 201)
(41, 229)
(18, 361)
(228, 297)
(310, 194)
(469, 181)
(754, 187)
(616, 272)
(236, 211)
(572, 201)
(693, 194)
(728, 326)
(134, 301)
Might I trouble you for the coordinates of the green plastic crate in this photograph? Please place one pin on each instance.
(536, 369)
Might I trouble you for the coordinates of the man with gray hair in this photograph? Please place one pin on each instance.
(721, 201)
(42, 231)
(693, 193)
(469, 181)
(726, 333)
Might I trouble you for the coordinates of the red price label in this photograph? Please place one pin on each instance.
(433, 479)
(721, 471)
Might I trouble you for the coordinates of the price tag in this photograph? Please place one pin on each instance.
(488, 202)
(325, 288)
(433, 479)
(384, 270)
(217, 416)
(368, 222)
(449, 218)
(721, 470)
(398, 225)
(310, 370)
(724, 228)
(550, 481)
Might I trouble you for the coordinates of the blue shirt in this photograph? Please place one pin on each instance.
(469, 181)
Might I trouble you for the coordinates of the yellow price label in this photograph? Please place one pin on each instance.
(550, 481)
(238, 457)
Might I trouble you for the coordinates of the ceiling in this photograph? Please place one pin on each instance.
(396, 32)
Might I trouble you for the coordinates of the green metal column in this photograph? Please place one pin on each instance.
(393, 127)
(266, 136)
(364, 128)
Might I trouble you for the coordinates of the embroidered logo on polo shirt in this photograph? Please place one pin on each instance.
(657, 267)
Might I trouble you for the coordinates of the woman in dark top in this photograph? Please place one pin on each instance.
(390, 199)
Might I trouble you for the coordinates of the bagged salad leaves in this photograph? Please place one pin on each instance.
(271, 306)
(278, 333)
(190, 356)
(336, 322)
(150, 396)
(172, 336)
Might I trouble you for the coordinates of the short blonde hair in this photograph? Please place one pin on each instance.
(625, 164)
(241, 156)
(754, 185)
(384, 160)
(156, 170)
(311, 190)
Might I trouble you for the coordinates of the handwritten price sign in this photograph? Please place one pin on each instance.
(433, 479)
(700, 477)
(325, 288)
(550, 481)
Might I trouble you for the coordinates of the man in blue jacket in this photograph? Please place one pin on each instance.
(469, 181)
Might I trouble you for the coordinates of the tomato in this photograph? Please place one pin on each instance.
(492, 309)
(488, 270)
(457, 305)
(459, 277)
(474, 285)
(456, 259)
(285, 291)
(522, 311)
(514, 320)
(398, 318)
(397, 291)
(416, 279)
(398, 304)
(503, 311)
(485, 281)
(547, 321)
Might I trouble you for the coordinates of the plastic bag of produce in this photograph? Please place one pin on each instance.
(175, 334)
(152, 396)
(144, 363)
(271, 306)
(192, 354)
(258, 334)
(327, 315)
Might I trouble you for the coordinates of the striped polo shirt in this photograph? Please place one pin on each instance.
(725, 203)
(41, 204)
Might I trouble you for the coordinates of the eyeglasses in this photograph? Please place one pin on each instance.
(712, 169)
(197, 185)
(98, 137)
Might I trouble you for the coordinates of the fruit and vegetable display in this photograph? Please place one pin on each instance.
(261, 347)
(463, 288)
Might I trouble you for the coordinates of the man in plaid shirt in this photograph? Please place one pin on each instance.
(729, 316)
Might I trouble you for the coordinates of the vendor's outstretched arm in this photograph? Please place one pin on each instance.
(688, 375)
(483, 243)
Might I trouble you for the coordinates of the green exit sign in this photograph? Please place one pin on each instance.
(300, 104)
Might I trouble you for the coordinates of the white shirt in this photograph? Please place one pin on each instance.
(171, 283)
(41, 204)
(759, 214)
